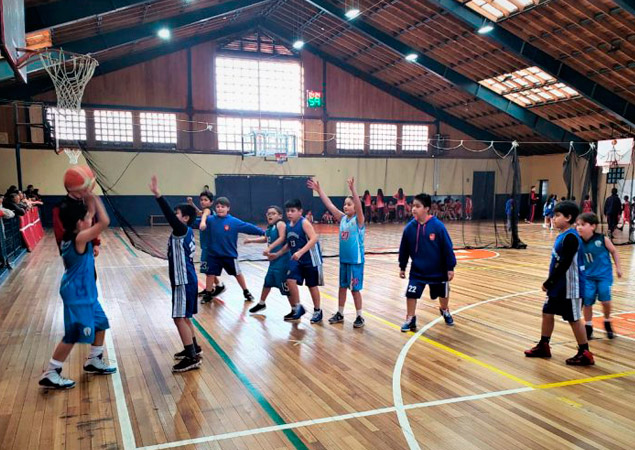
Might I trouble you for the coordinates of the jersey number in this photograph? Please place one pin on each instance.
(412, 289)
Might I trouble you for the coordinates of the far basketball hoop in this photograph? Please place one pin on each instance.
(274, 145)
(613, 153)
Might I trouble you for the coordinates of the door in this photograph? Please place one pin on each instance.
(483, 199)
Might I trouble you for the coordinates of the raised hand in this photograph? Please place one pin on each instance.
(351, 183)
(313, 184)
(154, 186)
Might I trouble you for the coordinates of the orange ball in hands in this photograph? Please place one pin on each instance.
(79, 178)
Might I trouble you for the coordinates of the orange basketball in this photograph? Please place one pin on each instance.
(79, 178)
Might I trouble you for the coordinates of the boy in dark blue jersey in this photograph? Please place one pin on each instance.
(183, 279)
(306, 262)
(565, 287)
(426, 241)
(275, 237)
(84, 319)
(222, 251)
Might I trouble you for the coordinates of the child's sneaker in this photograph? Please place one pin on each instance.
(359, 322)
(584, 358)
(248, 296)
(540, 350)
(186, 364)
(54, 380)
(336, 318)
(289, 316)
(182, 354)
(99, 366)
(589, 331)
(298, 313)
(449, 321)
(409, 325)
(609, 329)
(207, 297)
(317, 316)
(258, 307)
(218, 290)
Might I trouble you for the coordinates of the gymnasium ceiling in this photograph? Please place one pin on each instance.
(589, 45)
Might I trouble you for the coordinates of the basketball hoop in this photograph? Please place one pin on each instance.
(73, 155)
(281, 158)
(70, 73)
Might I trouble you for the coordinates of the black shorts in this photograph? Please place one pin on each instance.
(569, 308)
(415, 289)
(216, 264)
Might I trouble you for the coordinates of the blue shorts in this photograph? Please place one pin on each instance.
(415, 289)
(311, 275)
(597, 289)
(82, 321)
(277, 278)
(216, 264)
(184, 300)
(352, 276)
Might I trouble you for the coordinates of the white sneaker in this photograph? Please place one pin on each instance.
(544, 226)
(53, 379)
(99, 366)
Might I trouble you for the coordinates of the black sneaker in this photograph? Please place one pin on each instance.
(289, 316)
(207, 297)
(258, 307)
(55, 380)
(359, 322)
(202, 293)
(589, 331)
(182, 354)
(218, 290)
(409, 325)
(449, 321)
(336, 318)
(186, 364)
(609, 329)
(248, 296)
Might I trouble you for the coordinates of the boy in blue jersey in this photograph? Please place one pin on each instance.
(275, 237)
(84, 319)
(306, 262)
(426, 241)
(183, 279)
(352, 231)
(598, 270)
(222, 253)
(565, 287)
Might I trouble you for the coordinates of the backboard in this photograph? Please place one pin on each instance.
(12, 34)
(614, 152)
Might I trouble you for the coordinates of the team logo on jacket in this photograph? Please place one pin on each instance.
(226, 227)
(598, 243)
(432, 236)
(344, 235)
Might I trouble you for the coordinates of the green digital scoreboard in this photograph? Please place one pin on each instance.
(314, 99)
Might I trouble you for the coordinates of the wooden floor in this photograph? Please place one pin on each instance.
(269, 384)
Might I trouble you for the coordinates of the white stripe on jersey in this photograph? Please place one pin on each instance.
(178, 259)
(179, 303)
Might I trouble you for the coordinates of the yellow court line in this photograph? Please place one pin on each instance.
(585, 380)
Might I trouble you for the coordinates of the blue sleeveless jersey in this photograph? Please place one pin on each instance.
(282, 262)
(572, 284)
(180, 259)
(297, 238)
(597, 260)
(351, 241)
(78, 286)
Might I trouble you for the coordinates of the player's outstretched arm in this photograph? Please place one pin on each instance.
(314, 184)
(359, 209)
(85, 236)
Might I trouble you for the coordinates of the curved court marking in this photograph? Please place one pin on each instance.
(396, 376)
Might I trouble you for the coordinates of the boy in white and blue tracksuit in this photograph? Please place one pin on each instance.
(427, 243)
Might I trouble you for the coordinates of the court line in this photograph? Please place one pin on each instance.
(125, 425)
(253, 390)
(130, 250)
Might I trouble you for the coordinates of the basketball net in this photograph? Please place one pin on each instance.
(73, 155)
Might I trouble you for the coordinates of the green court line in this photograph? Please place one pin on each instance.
(130, 250)
(260, 398)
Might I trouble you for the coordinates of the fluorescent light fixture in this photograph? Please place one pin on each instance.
(411, 57)
(298, 44)
(164, 33)
(485, 29)
(352, 13)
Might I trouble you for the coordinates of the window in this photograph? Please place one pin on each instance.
(113, 126)
(253, 85)
(234, 133)
(414, 138)
(530, 87)
(615, 174)
(158, 128)
(350, 136)
(67, 124)
(383, 137)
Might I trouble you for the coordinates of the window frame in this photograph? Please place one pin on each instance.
(426, 140)
(97, 116)
(349, 126)
(64, 130)
(383, 138)
(143, 131)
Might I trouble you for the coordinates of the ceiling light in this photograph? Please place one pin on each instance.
(411, 57)
(485, 29)
(164, 33)
(298, 44)
(352, 13)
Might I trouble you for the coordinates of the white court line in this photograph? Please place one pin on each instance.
(355, 415)
(396, 376)
(125, 426)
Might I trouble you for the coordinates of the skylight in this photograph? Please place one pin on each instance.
(496, 10)
(530, 87)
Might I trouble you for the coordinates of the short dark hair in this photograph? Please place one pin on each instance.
(187, 210)
(614, 191)
(293, 203)
(567, 208)
(207, 194)
(276, 208)
(222, 201)
(586, 197)
(70, 213)
(424, 199)
(590, 218)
